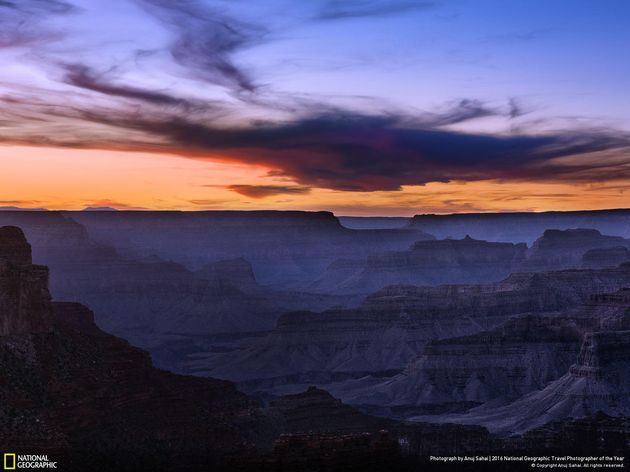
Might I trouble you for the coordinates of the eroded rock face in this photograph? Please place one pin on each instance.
(182, 273)
(559, 249)
(605, 312)
(609, 257)
(50, 233)
(283, 247)
(522, 355)
(598, 381)
(157, 296)
(94, 402)
(14, 249)
(24, 298)
(322, 433)
(503, 364)
(426, 263)
(317, 410)
(393, 325)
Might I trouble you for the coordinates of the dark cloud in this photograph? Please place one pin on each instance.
(83, 77)
(20, 21)
(109, 205)
(515, 108)
(354, 152)
(335, 149)
(36, 7)
(263, 191)
(205, 40)
(342, 9)
(464, 110)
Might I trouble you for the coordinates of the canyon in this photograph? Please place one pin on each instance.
(316, 334)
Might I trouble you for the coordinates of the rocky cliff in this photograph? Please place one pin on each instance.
(316, 410)
(50, 233)
(598, 381)
(502, 364)
(24, 299)
(560, 249)
(92, 401)
(425, 263)
(374, 222)
(282, 247)
(522, 355)
(392, 326)
(609, 257)
(157, 296)
(151, 301)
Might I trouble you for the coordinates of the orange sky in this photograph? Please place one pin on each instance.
(341, 106)
(58, 178)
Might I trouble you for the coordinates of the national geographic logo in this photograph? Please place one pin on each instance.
(14, 461)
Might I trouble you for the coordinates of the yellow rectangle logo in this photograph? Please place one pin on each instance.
(9, 461)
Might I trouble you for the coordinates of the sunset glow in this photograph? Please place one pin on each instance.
(361, 108)
(128, 181)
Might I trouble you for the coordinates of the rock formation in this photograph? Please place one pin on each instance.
(522, 355)
(598, 382)
(282, 247)
(315, 410)
(24, 298)
(92, 401)
(425, 263)
(521, 227)
(561, 249)
(392, 326)
(609, 257)
(374, 222)
(151, 301)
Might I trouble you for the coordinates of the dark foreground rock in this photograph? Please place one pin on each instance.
(93, 402)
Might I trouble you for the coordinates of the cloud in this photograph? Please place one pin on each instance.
(20, 21)
(20, 205)
(19, 202)
(515, 108)
(263, 191)
(205, 40)
(349, 151)
(104, 205)
(82, 76)
(343, 9)
(355, 152)
(461, 111)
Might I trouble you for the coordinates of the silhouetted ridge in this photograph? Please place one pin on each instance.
(521, 226)
(24, 298)
(14, 248)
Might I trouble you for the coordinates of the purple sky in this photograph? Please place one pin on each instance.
(355, 95)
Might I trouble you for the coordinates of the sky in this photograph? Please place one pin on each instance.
(361, 107)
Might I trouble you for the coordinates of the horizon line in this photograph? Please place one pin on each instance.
(149, 210)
